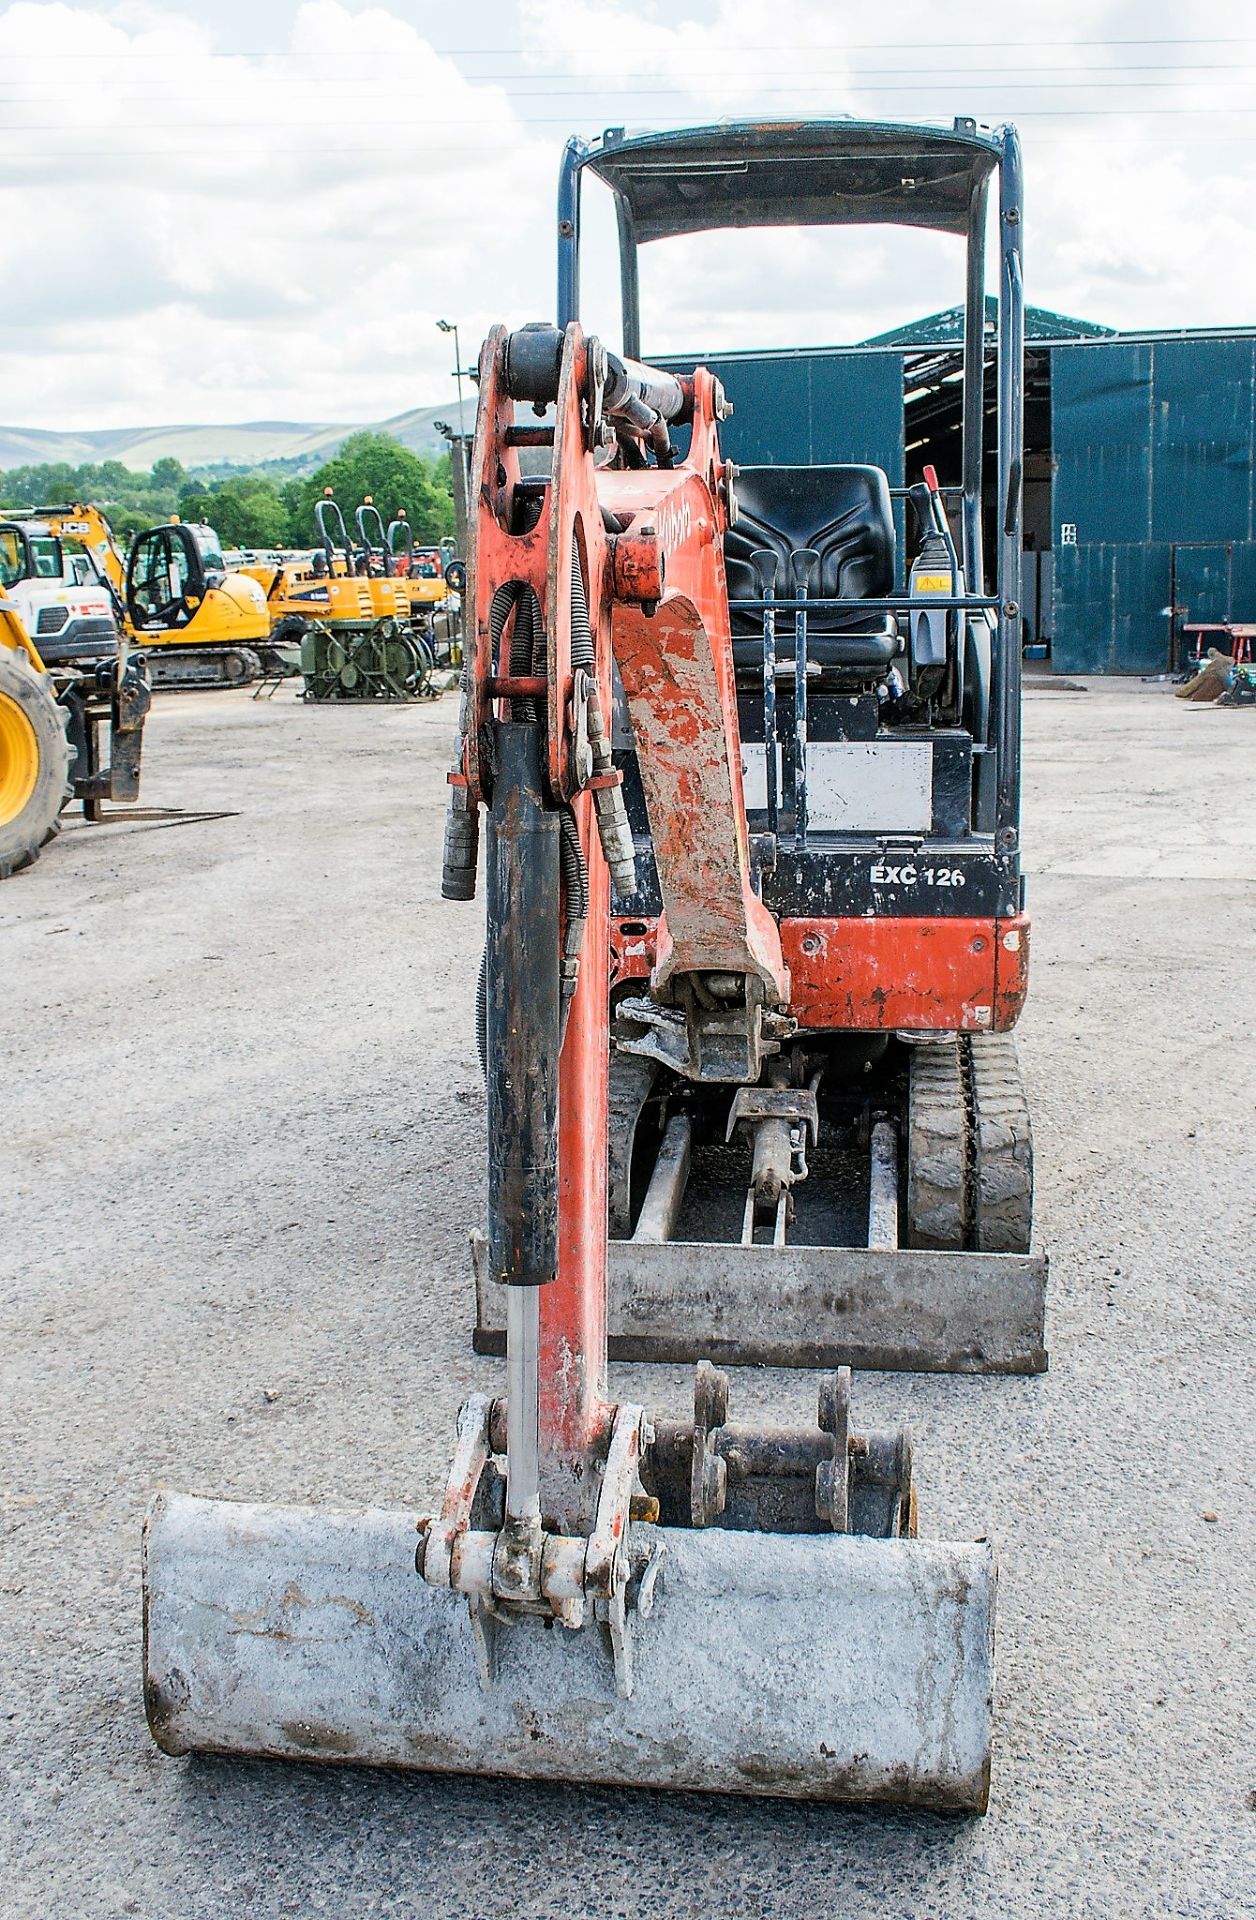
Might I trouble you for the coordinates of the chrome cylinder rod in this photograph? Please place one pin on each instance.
(523, 1483)
(803, 565)
(660, 1210)
(883, 1187)
(765, 562)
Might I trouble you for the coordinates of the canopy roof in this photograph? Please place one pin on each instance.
(947, 328)
(767, 173)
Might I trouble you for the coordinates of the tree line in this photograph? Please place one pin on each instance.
(258, 507)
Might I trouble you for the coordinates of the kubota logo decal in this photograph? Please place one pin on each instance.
(674, 521)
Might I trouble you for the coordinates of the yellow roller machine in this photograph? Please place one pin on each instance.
(347, 614)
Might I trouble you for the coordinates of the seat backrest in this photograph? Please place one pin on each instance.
(844, 513)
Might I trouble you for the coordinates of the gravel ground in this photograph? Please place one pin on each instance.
(242, 1151)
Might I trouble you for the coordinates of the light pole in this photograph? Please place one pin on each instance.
(458, 475)
(450, 326)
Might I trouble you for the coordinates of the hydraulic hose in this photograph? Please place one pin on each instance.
(575, 877)
(582, 654)
(481, 1012)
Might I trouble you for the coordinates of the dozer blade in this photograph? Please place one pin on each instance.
(897, 1309)
(822, 1667)
(931, 1307)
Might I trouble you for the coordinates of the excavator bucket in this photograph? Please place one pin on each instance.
(833, 1668)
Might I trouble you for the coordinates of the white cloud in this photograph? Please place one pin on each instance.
(189, 232)
(200, 234)
(1136, 121)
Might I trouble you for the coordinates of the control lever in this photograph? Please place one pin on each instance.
(803, 565)
(766, 564)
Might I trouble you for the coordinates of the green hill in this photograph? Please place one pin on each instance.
(250, 443)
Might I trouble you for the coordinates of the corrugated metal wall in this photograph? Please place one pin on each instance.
(1154, 446)
(812, 409)
(1155, 453)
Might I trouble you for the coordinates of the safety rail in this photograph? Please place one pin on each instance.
(803, 565)
(895, 603)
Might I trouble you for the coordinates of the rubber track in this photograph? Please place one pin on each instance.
(204, 667)
(1002, 1156)
(937, 1146)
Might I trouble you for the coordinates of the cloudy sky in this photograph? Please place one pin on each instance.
(260, 209)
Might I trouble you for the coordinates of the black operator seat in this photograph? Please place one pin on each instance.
(845, 514)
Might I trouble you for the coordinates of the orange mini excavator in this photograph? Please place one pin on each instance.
(754, 942)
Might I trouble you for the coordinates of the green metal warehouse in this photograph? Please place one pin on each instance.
(1140, 457)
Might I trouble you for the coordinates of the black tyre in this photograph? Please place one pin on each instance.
(290, 631)
(34, 761)
(419, 681)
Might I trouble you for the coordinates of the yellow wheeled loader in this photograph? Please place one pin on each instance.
(34, 751)
(746, 730)
(51, 721)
